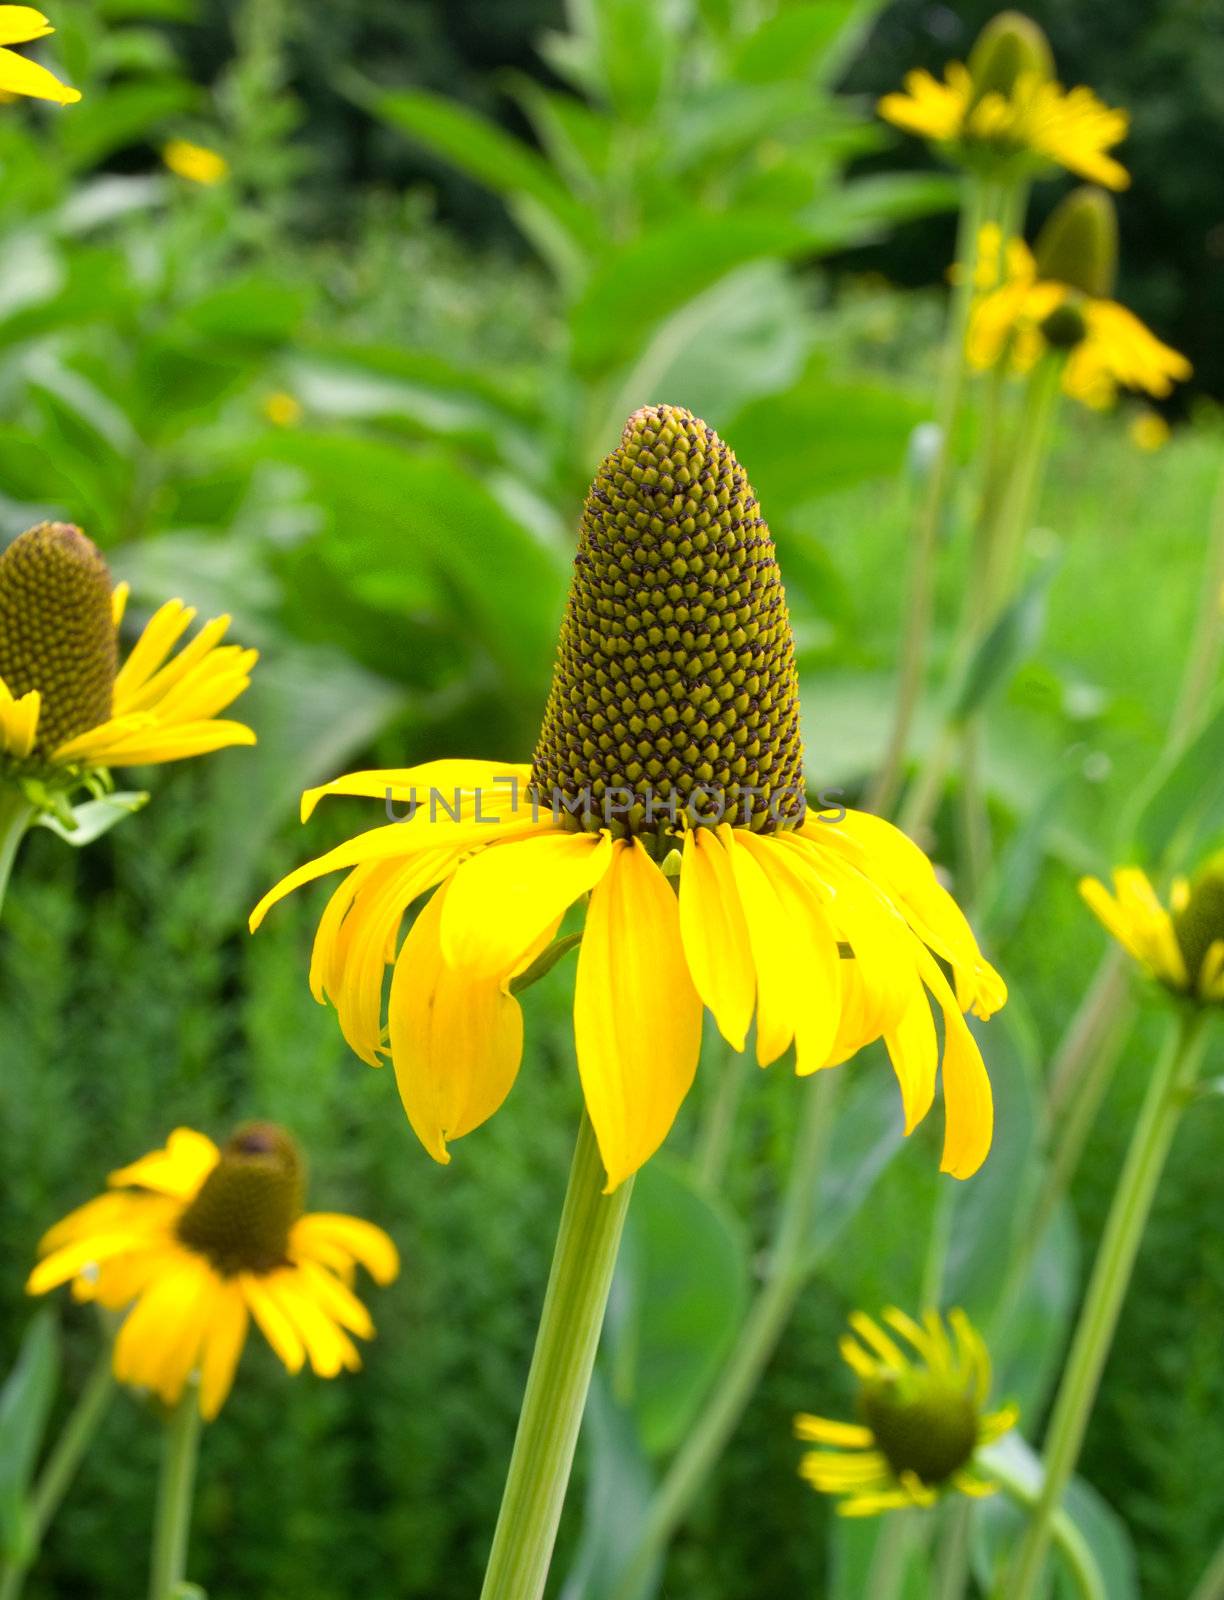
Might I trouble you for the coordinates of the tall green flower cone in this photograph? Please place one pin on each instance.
(248, 1203)
(57, 633)
(1008, 47)
(1078, 245)
(675, 690)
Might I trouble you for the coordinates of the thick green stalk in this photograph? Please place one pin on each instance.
(1132, 1204)
(1070, 1542)
(895, 1541)
(925, 542)
(60, 1469)
(175, 1485)
(787, 1272)
(583, 1261)
(16, 814)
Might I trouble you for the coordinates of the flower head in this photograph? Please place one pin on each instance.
(1182, 947)
(1056, 299)
(666, 792)
(922, 1408)
(195, 162)
(191, 1242)
(1003, 113)
(18, 74)
(68, 709)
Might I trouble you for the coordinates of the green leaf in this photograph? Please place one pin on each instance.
(126, 114)
(870, 1133)
(1177, 813)
(619, 1487)
(680, 1296)
(794, 43)
(93, 818)
(25, 1405)
(1008, 643)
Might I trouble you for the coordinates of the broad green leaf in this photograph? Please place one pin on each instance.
(681, 1296)
(869, 1134)
(1007, 644)
(256, 308)
(125, 114)
(1178, 811)
(93, 818)
(636, 42)
(862, 208)
(793, 43)
(25, 1404)
(619, 1486)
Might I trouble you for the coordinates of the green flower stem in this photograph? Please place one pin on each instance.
(790, 1265)
(60, 1469)
(718, 1121)
(952, 1559)
(1066, 1537)
(16, 814)
(974, 210)
(1172, 1077)
(891, 1556)
(172, 1523)
(583, 1261)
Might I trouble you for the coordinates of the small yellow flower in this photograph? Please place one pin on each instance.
(1182, 947)
(20, 76)
(67, 708)
(192, 1241)
(1149, 431)
(1004, 113)
(666, 794)
(195, 162)
(282, 409)
(923, 1416)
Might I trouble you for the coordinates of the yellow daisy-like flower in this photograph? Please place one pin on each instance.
(923, 1416)
(1106, 346)
(68, 709)
(192, 1241)
(667, 794)
(20, 76)
(195, 162)
(1182, 946)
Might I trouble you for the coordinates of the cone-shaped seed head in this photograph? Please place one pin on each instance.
(922, 1425)
(675, 687)
(1200, 922)
(1007, 47)
(57, 634)
(246, 1206)
(1079, 243)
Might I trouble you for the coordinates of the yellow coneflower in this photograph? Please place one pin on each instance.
(193, 1241)
(195, 162)
(667, 786)
(1057, 299)
(1182, 946)
(68, 709)
(1003, 113)
(1149, 431)
(20, 76)
(923, 1416)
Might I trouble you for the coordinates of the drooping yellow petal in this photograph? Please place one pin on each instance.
(338, 1301)
(715, 935)
(360, 1240)
(157, 1344)
(499, 902)
(824, 1430)
(21, 24)
(637, 1016)
(274, 1323)
(328, 1348)
(19, 75)
(968, 1102)
(456, 1040)
(223, 1346)
(502, 783)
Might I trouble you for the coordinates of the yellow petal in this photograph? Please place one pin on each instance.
(500, 902)
(824, 1430)
(274, 1322)
(360, 1240)
(503, 782)
(20, 24)
(456, 1040)
(179, 1169)
(18, 75)
(968, 1103)
(223, 1346)
(715, 935)
(637, 1016)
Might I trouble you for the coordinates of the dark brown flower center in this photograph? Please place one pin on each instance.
(246, 1206)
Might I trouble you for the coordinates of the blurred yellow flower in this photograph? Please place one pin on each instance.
(1182, 947)
(666, 792)
(1107, 346)
(282, 409)
(195, 162)
(1149, 431)
(192, 1241)
(1037, 123)
(923, 1416)
(20, 76)
(67, 708)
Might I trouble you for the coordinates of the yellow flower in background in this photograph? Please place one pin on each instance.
(20, 76)
(666, 793)
(1182, 946)
(67, 707)
(1003, 112)
(282, 409)
(192, 1241)
(195, 162)
(1149, 431)
(922, 1405)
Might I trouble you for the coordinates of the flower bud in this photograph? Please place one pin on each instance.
(1078, 245)
(1199, 923)
(57, 631)
(1009, 46)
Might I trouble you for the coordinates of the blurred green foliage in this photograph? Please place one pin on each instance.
(399, 553)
